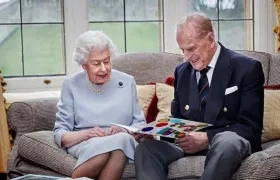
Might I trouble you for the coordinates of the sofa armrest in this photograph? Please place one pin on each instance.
(261, 165)
(32, 115)
(269, 144)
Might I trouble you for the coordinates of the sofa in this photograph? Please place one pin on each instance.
(32, 121)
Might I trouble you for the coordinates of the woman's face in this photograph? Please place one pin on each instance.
(98, 66)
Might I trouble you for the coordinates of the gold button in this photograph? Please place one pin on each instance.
(187, 107)
(225, 109)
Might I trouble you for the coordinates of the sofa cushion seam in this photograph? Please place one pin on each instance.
(41, 142)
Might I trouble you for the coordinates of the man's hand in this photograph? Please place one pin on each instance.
(141, 137)
(115, 129)
(193, 142)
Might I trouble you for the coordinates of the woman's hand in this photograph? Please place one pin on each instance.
(115, 129)
(95, 132)
(69, 139)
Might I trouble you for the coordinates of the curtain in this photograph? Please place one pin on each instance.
(4, 132)
(276, 29)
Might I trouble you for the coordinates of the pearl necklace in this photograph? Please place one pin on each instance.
(95, 90)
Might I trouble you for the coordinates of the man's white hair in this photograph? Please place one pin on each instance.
(92, 41)
(199, 21)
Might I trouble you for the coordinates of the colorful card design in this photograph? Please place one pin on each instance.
(169, 127)
(172, 127)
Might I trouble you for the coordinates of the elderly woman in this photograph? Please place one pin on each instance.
(90, 102)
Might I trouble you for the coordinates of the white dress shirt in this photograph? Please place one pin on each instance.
(212, 64)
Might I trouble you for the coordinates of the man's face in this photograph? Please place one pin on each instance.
(198, 51)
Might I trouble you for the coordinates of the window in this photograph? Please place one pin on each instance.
(239, 24)
(37, 37)
(31, 38)
(233, 21)
(133, 25)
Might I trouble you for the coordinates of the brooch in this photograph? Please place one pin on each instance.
(120, 84)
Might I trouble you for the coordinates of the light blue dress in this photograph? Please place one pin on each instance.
(80, 108)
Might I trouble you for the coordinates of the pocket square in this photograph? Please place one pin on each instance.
(231, 90)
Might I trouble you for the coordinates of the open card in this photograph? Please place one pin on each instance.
(168, 127)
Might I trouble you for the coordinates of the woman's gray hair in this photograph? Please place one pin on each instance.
(92, 41)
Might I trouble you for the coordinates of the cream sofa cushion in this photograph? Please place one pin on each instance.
(165, 94)
(145, 95)
(271, 121)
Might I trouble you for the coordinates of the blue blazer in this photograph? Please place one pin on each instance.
(240, 111)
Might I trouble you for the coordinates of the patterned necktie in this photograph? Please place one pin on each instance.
(203, 88)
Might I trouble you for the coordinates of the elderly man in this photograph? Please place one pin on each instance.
(217, 86)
